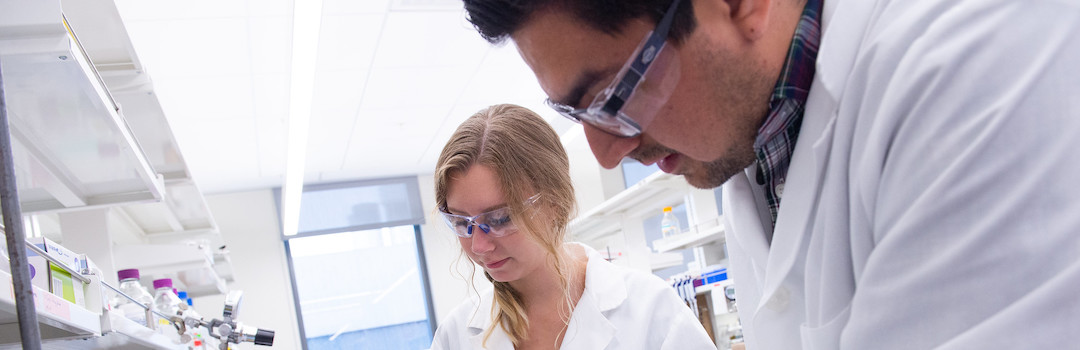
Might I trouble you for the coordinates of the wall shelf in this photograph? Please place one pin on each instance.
(190, 267)
(659, 261)
(72, 146)
(183, 213)
(690, 239)
(650, 195)
(122, 333)
(58, 318)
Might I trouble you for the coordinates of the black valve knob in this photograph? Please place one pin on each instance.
(264, 337)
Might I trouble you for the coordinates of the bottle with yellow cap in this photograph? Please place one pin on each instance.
(669, 224)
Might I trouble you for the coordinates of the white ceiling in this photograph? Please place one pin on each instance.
(394, 78)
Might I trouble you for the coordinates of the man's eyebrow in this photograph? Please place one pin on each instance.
(580, 87)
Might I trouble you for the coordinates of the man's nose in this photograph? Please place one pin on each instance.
(609, 149)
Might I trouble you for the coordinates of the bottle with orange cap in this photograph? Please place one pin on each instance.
(669, 224)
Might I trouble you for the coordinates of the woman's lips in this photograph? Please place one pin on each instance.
(496, 264)
(670, 163)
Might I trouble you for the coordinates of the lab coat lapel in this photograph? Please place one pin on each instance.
(479, 322)
(746, 231)
(589, 328)
(498, 341)
(840, 42)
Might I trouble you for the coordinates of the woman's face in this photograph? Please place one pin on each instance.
(508, 258)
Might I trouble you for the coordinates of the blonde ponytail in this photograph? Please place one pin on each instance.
(508, 311)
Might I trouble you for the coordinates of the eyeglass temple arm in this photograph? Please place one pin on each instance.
(641, 62)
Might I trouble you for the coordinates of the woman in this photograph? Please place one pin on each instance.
(503, 185)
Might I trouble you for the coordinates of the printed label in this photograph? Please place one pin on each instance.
(58, 287)
(55, 306)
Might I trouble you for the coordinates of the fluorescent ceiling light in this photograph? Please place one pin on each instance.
(307, 18)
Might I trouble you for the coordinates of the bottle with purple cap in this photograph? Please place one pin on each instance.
(167, 303)
(129, 284)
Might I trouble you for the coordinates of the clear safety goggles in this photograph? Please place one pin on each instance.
(495, 223)
(630, 103)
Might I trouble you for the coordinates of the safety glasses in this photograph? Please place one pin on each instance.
(628, 105)
(495, 223)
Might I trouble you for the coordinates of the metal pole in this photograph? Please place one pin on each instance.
(16, 238)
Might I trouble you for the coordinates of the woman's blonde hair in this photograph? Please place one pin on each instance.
(528, 158)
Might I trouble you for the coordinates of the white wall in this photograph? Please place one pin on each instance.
(592, 183)
(249, 226)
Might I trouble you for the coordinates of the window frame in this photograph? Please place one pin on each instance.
(413, 190)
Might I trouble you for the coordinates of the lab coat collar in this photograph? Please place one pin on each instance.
(478, 323)
(589, 328)
(602, 278)
(840, 42)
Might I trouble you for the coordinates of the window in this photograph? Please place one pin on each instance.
(358, 268)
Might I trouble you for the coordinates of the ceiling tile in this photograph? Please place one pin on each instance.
(192, 48)
(209, 98)
(354, 7)
(415, 39)
(259, 8)
(385, 144)
(373, 138)
(270, 94)
(425, 5)
(272, 141)
(503, 85)
(188, 9)
(219, 153)
(348, 42)
(270, 42)
(417, 86)
(333, 116)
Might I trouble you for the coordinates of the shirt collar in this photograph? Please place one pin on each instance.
(797, 74)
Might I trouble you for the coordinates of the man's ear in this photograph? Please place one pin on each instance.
(749, 18)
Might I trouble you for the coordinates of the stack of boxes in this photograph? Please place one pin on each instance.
(53, 278)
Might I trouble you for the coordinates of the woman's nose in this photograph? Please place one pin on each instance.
(480, 242)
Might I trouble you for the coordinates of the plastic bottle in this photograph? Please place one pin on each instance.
(167, 303)
(669, 224)
(129, 284)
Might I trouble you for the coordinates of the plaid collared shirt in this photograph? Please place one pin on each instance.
(776, 137)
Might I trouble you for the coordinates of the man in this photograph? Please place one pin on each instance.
(897, 174)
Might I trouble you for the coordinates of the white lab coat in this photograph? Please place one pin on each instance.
(620, 309)
(933, 197)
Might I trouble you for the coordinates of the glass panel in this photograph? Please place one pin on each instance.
(343, 206)
(634, 171)
(56, 109)
(361, 290)
(719, 193)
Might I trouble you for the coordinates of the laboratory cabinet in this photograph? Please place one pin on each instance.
(99, 171)
(618, 228)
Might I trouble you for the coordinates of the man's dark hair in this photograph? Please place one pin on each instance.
(496, 20)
